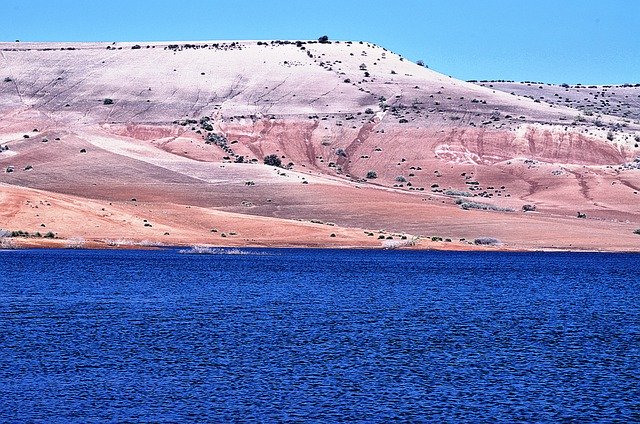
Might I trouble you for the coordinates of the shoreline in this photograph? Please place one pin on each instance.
(62, 244)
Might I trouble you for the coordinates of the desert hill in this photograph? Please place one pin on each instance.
(164, 143)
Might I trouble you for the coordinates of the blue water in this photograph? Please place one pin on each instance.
(318, 336)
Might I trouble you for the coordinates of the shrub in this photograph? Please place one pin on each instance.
(454, 192)
(582, 215)
(466, 205)
(610, 136)
(272, 160)
(323, 40)
(107, 102)
(49, 235)
(637, 231)
(401, 179)
(420, 63)
(486, 241)
(528, 208)
(372, 174)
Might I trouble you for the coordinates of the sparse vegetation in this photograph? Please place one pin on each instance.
(486, 241)
(454, 192)
(273, 160)
(467, 204)
(205, 124)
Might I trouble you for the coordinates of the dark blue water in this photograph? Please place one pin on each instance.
(318, 336)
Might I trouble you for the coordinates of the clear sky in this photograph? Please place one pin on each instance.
(573, 41)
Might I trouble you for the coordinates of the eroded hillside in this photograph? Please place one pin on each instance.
(165, 143)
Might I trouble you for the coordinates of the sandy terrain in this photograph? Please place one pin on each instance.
(108, 145)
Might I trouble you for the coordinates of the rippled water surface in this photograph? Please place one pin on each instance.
(318, 336)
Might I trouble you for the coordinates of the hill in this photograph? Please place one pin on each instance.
(164, 143)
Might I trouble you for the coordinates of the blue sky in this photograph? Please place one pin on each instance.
(588, 42)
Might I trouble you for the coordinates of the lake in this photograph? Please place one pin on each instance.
(295, 335)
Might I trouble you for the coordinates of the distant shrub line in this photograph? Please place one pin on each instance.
(467, 204)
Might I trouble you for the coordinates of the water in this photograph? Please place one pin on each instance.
(318, 336)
